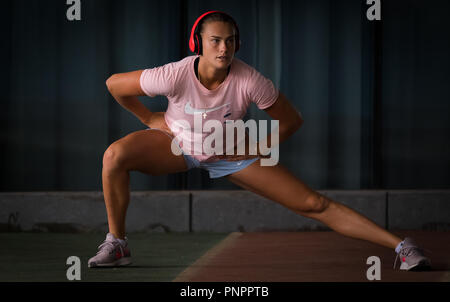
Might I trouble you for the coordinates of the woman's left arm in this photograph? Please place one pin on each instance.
(290, 120)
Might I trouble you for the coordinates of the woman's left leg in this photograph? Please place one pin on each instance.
(278, 184)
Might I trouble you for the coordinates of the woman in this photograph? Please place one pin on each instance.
(216, 86)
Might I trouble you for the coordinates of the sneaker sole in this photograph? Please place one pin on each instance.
(121, 262)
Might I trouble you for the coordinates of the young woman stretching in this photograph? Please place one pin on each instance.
(213, 85)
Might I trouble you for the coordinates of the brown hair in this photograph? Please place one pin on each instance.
(217, 17)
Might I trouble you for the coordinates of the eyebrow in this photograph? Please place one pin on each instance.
(232, 36)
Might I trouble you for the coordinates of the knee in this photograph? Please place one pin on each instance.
(314, 204)
(113, 157)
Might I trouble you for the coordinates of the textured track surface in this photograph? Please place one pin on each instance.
(313, 256)
(157, 257)
(277, 256)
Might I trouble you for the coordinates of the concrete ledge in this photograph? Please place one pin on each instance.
(215, 211)
(419, 210)
(159, 211)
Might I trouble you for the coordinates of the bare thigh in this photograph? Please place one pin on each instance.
(278, 184)
(147, 151)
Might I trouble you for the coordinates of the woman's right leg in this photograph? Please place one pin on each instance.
(147, 151)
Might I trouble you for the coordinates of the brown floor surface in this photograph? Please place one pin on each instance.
(312, 257)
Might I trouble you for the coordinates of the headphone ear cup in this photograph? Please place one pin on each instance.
(192, 42)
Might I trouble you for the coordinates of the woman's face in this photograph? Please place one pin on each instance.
(218, 43)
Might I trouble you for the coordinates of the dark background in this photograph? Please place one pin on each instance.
(374, 94)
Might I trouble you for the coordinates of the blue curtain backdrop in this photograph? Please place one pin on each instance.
(374, 94)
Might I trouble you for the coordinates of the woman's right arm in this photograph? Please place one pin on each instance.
(125, 89)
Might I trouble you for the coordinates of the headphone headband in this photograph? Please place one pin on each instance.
(195, 43)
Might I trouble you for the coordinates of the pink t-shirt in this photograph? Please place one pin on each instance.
(189, 99)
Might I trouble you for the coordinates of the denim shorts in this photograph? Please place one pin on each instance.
(216, 169)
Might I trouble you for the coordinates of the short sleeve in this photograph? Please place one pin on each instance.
(261, 90)
(158, 80)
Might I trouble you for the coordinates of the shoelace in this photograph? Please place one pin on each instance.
(409, 251)
(108, 245)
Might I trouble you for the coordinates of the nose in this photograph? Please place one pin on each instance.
(223, 46)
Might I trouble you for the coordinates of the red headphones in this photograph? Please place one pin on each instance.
(195, 41)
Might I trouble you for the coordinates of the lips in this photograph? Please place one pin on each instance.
(222, 57)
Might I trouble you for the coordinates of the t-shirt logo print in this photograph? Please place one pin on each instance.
(189, 110)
